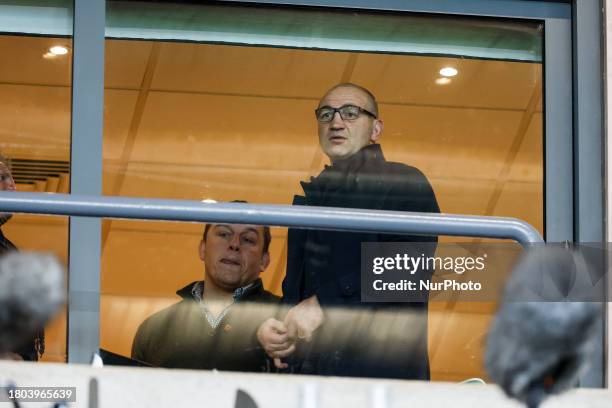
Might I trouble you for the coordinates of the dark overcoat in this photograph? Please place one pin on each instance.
(358, 339)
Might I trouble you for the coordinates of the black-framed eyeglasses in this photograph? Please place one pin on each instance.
(325, 114)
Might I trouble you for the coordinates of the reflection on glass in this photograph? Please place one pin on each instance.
(35, 123)
(327, 29)
(220, 121)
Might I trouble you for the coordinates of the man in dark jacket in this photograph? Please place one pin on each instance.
(214, 326)
(350, 338)
(34, 349)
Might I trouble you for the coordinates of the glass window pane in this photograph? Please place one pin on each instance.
(225, 112)
(36, 17)
(35, 84)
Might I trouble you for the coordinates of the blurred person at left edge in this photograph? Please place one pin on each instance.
(33, 349)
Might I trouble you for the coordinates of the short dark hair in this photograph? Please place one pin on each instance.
(266, 231)
(365, 91)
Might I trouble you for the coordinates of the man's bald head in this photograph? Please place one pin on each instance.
(372, 103)
(341, 135)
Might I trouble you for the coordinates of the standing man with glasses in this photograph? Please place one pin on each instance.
(328, 331)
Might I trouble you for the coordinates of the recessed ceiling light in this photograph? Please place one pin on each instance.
(443, 81)
(58, 50)
(209, 201)
(448, 72)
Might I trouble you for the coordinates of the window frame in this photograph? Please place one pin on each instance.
(573, 129)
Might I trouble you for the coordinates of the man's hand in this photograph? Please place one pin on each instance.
(278, 338)
(304, 319)
(273, 337)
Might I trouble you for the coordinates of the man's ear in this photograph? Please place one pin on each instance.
(202, 250)
(265, 261)
(377, 129)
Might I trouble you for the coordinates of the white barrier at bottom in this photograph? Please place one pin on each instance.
(148, 387)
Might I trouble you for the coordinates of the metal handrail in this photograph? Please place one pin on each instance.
(328, 218)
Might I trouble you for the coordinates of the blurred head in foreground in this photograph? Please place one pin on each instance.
(32, 289)
(545, 332)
